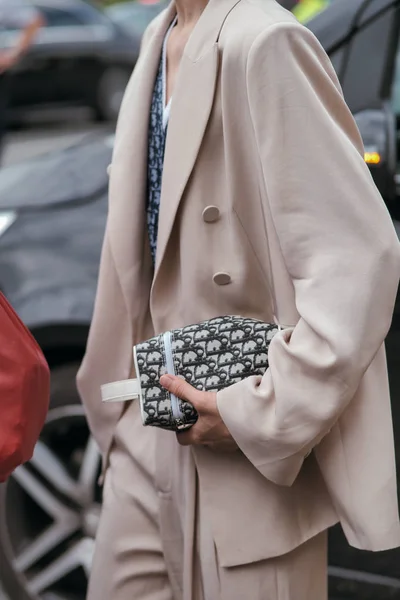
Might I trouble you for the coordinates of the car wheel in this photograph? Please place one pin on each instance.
(50, 507)
(110, 91)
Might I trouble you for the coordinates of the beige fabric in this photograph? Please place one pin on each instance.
(129, 561)
(258, 128)
(140, 556)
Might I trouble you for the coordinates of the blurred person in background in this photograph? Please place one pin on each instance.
(16, 15)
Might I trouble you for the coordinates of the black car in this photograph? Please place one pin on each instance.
(80, 57)
(52, 218)
(50, 238)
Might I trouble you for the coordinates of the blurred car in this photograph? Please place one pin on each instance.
(288, 4)
(136, 15)
(362, 43)
(50, 238)
(80, 57)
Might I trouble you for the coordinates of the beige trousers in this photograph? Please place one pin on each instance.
(154, 544)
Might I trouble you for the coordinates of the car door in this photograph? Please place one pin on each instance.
(362, 42)
(364, 51)
(396, 111)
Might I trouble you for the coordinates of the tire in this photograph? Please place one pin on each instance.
(109, 93)
(56, 494)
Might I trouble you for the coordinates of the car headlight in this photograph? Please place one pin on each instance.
(372, 156)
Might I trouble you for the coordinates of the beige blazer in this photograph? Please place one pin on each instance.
(259, 130)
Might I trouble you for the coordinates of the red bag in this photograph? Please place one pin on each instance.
(24, 391)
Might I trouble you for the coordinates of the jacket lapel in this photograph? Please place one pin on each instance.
(191, 106)
(127, 227)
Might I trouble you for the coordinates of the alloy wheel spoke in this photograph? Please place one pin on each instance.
(63, 542)
(46, 542)
(80, 555)
(52, 469)
(87, 556)
(89, 469)
(41, 495)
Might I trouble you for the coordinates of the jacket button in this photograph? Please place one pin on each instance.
(109, 170)
(211, 214)
(222, 278)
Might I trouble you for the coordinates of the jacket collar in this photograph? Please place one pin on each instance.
(190, 111)
(191, 107)
(208, 28)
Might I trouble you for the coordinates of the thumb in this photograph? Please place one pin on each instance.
(182, 389)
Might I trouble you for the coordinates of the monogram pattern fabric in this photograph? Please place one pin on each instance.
(211, 355)
(155, 160)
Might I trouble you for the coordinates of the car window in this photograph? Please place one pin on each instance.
(396, 87)
(89, 14)
(367, 80)
(56, 17)
(143, 16)
(136, 17)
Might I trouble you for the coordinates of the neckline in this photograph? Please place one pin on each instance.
(166, 106)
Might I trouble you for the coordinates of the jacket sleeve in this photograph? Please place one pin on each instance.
(339, 247)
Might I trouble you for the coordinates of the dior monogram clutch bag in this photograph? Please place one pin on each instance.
(211, 355)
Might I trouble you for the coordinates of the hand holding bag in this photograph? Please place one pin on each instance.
(211, 355)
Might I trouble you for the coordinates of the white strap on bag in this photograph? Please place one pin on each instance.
(120, 391)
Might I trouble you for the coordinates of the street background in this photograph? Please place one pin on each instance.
(67, 92)
(44, 133)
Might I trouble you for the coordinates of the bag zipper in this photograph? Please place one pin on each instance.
(169, 363)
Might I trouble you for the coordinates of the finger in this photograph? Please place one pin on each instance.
(188, 437)
(182, 389)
